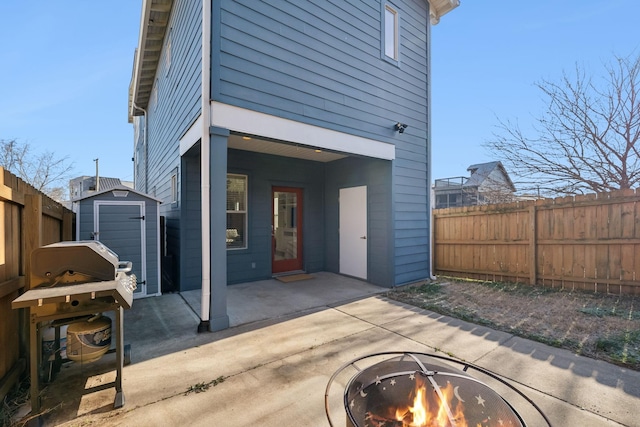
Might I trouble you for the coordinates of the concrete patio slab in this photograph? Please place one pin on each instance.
(271, 299)
(276, 370)
(451, 336)
(570, 377)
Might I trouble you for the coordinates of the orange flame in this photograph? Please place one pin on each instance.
(422, 415)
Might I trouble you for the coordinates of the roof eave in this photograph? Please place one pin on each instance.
(154, 20)
(439, 8)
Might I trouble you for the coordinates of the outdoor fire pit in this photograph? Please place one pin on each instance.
(425, 390)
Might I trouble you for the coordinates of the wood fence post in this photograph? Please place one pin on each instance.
(32, 228)
(533, 246)
(67, 226)
(432, 237)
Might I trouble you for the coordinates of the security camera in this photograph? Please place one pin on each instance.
(400, 127)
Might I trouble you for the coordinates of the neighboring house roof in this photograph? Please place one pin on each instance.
(480, 172)
(108, 183)
(83, 186)
(153, 25)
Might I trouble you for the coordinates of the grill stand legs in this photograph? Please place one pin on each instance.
(119, 400)
(35, 345)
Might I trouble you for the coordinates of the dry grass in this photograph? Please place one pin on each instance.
(605, 327)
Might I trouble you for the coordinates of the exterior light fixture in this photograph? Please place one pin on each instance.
(400, 127)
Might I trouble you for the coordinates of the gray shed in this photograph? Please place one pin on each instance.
(128, 223)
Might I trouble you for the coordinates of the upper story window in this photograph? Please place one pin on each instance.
(167, 53)
(390, 32)
(174, 187)
(154, 95)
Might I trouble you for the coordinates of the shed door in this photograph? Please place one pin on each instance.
(353, 231)
(120, 226)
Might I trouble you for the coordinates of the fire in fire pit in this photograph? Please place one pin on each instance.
(419, 390)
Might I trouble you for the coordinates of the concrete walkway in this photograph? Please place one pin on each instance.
(276, 370)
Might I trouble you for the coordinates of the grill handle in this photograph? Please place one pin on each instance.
(125, 266)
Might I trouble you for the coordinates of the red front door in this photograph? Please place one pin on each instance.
(286, 229)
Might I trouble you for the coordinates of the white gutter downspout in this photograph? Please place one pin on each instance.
(145, 141)
(430, 160)
(205, 166)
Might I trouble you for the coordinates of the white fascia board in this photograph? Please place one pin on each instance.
(191, 136)
(142, 38)
(439, 8)
(260, 124)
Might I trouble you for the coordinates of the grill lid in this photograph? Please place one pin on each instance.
(72, 262)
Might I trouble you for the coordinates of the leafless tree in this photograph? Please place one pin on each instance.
(44, 171)
(585, 141)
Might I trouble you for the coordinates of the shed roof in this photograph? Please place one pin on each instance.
(119, 188)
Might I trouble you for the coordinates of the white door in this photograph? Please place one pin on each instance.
(353, 231)
(120, 226)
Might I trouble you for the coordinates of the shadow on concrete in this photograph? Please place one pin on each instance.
(167, 324)
(580, 366)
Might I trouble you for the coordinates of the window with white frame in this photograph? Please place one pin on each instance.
(154, 95)
(167, 53)
(174, 186)
(390, 32)
(236, 211)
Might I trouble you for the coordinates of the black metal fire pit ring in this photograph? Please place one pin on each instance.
(466, 366)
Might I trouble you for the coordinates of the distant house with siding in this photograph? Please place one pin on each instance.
(84, 186)
(286, 136)
(487, 183)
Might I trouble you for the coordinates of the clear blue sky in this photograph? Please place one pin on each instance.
(488, 54)
(66, 66)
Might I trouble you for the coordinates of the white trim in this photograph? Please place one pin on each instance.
(76, 209)
(191, 136)
(260, 124)
(245, 202)
(429, 157)
(158, 255)
(439, 8)
(143, 236)
(137, 66)
(395, 45)
(205, 149)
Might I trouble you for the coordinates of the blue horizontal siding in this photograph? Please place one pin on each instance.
(317, 63)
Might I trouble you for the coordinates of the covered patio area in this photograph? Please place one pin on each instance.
(270, 299)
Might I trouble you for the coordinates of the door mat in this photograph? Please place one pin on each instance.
(294, 277)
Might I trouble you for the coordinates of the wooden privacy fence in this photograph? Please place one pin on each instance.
(589, 242)
(28, 220)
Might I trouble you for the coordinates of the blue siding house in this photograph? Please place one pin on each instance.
(286, 136)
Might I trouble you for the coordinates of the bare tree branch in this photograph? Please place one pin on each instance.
(44, 171)
(587, 140)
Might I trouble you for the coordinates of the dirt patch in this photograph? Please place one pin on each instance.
(605, 327)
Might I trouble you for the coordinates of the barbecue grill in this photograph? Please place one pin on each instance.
(70, 283)
(426, 390)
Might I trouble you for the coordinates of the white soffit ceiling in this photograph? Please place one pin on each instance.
(279, 149)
